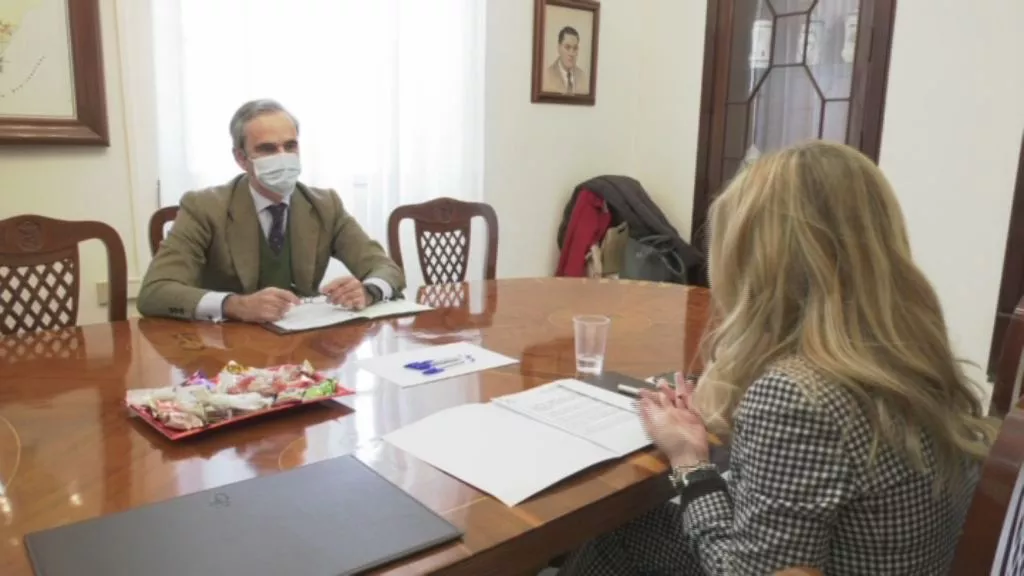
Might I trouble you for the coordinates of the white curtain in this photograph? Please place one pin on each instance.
(388, 94)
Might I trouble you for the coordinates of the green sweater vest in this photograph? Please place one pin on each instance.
(276, 269)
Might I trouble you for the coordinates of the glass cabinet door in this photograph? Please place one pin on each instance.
(781, 71)
(794, 79)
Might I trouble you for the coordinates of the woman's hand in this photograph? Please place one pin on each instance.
(683, 388)
(672, 424)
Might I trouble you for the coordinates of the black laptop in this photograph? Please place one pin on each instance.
(325, 519)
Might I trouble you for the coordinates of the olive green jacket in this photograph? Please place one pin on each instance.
(214, 245)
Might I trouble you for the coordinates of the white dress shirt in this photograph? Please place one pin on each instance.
(211, 305)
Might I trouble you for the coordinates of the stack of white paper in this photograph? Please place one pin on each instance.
(518, 445)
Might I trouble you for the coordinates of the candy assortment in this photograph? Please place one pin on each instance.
(236, 391)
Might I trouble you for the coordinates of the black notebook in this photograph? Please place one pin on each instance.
(325, 519)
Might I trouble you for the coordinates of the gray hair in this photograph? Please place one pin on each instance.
(251, 109)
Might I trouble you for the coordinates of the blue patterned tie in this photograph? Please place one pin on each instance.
(276, 237)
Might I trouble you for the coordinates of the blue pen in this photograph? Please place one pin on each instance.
(426, 364)
(432, 367)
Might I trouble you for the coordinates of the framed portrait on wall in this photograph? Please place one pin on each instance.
(51, 73)
(565, 40)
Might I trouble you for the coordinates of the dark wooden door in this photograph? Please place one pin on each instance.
(1011, 288)
(780, 71)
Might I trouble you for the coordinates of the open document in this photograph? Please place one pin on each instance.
(320, 313)
(518, 445)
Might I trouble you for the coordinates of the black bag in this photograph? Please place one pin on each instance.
(652, 258)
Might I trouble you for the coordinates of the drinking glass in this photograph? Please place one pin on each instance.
(591, 339)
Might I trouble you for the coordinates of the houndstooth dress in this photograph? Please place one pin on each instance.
(802, 495)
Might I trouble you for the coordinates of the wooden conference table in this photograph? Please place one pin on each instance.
(69, 451)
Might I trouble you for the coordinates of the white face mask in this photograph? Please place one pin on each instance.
(278, 173)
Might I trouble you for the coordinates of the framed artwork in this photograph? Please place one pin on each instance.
(565, 34)
(51, 73)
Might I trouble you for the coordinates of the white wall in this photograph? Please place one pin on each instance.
(953, 124)
(644, 123)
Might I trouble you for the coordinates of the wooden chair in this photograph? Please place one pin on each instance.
(40, 272)
(993, 536)
(442, 230)
(157, 223)
(1007, 387)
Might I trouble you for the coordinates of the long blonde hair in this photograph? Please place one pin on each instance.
(809, 256)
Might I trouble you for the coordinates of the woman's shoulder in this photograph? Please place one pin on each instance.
(793, 382)
(796, 393)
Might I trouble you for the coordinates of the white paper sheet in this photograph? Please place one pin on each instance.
(594, 414)
(392, 366)
(496, 450)
(321, 313)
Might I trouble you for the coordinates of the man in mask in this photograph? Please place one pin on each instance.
(249, 249)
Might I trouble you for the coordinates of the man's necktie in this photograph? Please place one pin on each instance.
(572, 84)
(276, 237)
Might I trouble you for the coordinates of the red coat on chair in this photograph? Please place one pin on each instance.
(587, 226)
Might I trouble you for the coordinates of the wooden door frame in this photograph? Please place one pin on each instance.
(1011, 286)
(711, 129)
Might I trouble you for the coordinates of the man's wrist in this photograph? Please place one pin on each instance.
(229, 307)
(373, 293)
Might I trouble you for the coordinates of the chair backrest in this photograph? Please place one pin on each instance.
(442, 231)
(992, 542)
(40, 272)
(157, 223)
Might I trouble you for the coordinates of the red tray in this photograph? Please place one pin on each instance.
(173, 434)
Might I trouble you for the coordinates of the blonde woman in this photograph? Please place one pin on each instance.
(856, 438)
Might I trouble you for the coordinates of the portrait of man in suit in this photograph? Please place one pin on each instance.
(250, 249)
(565, 51)
(564, 75)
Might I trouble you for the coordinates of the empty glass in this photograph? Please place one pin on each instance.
(591, 339)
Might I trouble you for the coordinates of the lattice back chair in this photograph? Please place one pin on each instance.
(158, 225)
(40, 272)
(1009, 371)
(442, 231)
(992, 542)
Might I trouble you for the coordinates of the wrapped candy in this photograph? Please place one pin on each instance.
(234, 391)
(324, 389)
(289, 396)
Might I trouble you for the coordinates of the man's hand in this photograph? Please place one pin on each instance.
(267, 305)
(347, 292)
